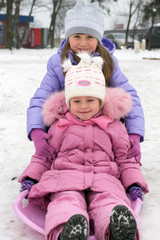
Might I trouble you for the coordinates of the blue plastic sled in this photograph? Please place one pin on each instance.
(34, 217)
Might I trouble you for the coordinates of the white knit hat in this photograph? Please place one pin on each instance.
(85, 18)
(85, 78)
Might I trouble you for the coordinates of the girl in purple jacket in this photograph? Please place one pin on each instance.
(84, 28)
(87, 178)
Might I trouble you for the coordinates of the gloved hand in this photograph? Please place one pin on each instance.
(26, 185)
(136, 192)
(42, 147)
(135, 150)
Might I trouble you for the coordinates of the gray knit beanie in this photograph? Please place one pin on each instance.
(85, 18)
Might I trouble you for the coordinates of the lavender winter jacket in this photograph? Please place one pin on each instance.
(87, 156)
(54, 81)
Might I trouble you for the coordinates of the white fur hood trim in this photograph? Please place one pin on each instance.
(117, 105)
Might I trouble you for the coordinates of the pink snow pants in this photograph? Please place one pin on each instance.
(96, 207)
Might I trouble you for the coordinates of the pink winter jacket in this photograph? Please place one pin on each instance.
(88, 154)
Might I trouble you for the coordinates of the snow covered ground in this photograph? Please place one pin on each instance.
(21, 72)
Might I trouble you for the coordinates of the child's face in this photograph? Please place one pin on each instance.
(83, 42)
(84, 107)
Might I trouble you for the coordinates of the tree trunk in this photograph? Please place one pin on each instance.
(150, 34)
(128, 24)
(9, 29)
(16, 23)
(131, 13)
(27, 22)
(135, 25)
(56, 7)
(53, 31)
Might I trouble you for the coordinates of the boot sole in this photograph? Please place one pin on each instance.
(122, 224)
(76, 228)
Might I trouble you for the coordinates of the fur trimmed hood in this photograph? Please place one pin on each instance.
(117, 105)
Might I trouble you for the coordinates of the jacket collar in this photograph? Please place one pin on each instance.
(102, 121)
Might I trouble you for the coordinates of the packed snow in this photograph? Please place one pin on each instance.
(21, 72)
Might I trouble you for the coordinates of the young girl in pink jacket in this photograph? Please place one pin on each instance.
(85, 183)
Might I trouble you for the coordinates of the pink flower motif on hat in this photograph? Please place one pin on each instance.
(84, 83)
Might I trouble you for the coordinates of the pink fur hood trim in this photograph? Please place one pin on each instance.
(117, 105)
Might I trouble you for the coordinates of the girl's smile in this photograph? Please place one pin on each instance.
(83, 42)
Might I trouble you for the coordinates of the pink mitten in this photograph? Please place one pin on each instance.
(42, 147)
(135, 150)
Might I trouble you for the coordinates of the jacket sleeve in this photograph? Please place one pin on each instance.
(35, 169)
(130, 171)
(134, 121)
(52, 81)
(38, 165)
